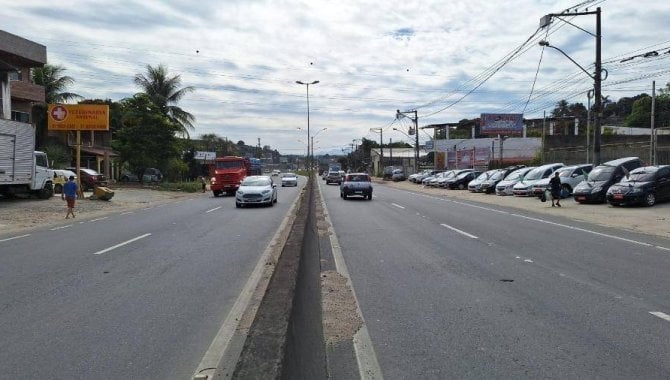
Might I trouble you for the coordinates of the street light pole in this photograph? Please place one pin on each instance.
(597, 77)
(416, 134)
(309, 161)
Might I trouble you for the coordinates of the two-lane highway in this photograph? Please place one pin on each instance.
(452, 289)
(131, 295)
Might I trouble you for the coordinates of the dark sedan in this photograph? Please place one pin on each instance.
(646, 185)
(461, 181)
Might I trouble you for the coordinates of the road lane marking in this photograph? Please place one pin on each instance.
(95, 220)
(127, 212)
(368, 365)
(214, 209)
(660, 315)
(61, 227)
(459, 231)
(121, 244)
(15, 237)
(398, 206)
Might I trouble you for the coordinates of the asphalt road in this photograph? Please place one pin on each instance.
(458, 289)
(132, 295)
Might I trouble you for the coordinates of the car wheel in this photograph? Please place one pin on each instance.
(370, 196)
(344, 196)
(650, 199)
(461, 186)
(238, 204)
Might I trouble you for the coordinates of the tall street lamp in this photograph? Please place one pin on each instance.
(597, 76)
(398, 115)
(307, 85)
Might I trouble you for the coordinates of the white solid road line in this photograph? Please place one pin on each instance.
(398, 206)
(95, 220)
(15, 237)
(214, 209)
(459, 231)
(660, 315)
(368, 365)
(121, 244)
(61, 227)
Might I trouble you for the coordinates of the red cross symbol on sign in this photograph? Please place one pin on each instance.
(59, 113)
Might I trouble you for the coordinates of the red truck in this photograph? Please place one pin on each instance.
(227, 173)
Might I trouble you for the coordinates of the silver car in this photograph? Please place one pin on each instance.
(255, 190)
(289, 179)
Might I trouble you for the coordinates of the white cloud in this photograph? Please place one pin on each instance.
(371, 58)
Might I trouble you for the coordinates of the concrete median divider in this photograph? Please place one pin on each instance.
(285, 339)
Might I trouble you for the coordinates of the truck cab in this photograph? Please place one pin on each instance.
(227, 173)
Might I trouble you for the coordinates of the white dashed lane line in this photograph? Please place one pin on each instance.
(15, 237)
(61, 227)
(660, 315)
(398, 206)
(214, 209)
(98, 219)
(121, 244)
(459, 231)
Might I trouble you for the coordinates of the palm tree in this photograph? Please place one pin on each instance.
(55, 84)
(165, 93)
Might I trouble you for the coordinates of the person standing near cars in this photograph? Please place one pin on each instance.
(69, 194)
(555, 186)
(203, 183)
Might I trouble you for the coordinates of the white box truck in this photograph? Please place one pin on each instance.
(22, 169)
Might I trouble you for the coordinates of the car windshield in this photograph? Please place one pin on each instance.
(357, 178)
(535, 174)
(640, 176)
(256, 182)
(463, 175)
(497, 175)
(601, 173)
(483, 176)
(513, 176)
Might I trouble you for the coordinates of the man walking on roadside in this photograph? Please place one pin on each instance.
(555, 185)
(69, 194)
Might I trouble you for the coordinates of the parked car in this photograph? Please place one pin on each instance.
(475, 185)
(426, 180)
(398, 175)
(388, 172)
(594, 188)
(60, 177)
(461, 181)
(256, 190)
(645, 185)
(523, 188)
(356, 184)
(570, 177)
(90, 178)
(289, 179)
(152, 175)
(440, 178)
(129, 177)
(333, 176)
(451, 174)
(418, 177)
(489, 185)
(506, 186)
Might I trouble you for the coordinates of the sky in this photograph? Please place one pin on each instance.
(447, 59)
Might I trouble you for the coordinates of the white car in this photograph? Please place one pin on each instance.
(60, 177)
(255, 190)
(506, 186)
(289, 179)
(523, 188)
(570, 177)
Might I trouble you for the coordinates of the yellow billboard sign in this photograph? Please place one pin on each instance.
(78, 117)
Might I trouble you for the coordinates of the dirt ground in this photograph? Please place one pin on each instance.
(647, 220)
(21, 214)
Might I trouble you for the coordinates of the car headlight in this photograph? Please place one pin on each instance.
(240, 192)
(266, 192)
(635, 190)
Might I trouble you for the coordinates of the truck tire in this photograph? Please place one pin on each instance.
(216, 193)
(46, 192)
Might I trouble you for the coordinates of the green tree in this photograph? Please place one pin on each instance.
(165, 93)
(148, 138)
(55, 83)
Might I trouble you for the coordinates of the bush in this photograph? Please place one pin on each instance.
(187, 187)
